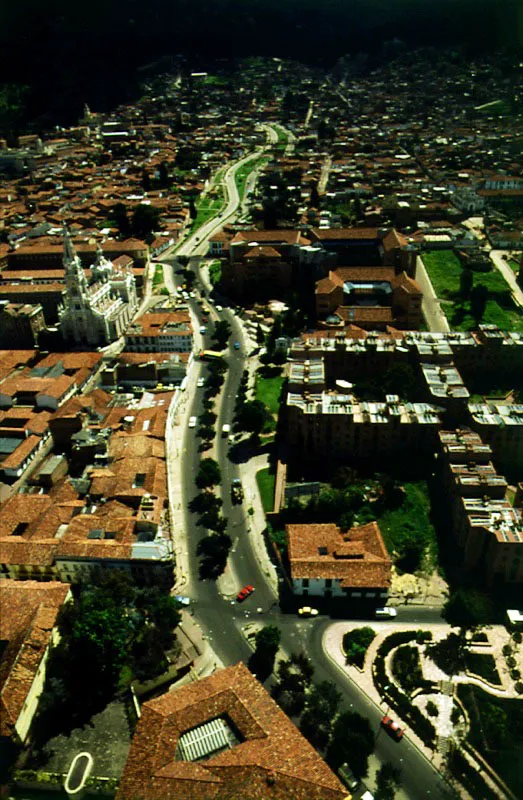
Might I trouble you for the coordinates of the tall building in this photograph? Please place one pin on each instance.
(96, 313)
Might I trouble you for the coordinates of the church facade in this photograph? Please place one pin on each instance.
(95, 313)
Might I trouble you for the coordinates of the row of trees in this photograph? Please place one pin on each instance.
(250, 415)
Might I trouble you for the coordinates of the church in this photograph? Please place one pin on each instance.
(95, 313)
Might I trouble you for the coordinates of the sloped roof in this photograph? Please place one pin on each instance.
(272, 761)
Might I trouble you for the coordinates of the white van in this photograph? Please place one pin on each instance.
(192, 422)
(385, 613)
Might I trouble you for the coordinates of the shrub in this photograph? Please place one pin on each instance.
(406, 667)
(356, 643)
(519, 687)
(511, 662)
(515, 674)
(432, 709)
(506, 650)
(517, 637)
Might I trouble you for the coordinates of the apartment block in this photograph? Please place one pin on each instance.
(334, 425)
(501, 426)
(487, 529)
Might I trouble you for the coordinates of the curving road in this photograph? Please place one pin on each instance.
(220, 617)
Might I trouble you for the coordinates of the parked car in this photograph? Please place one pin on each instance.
(219, 308)
(348, 778)
(307, 611)
(392, 727)
(200, 382)
(182, 600)
(236, 345)
(236, 491)
(192, 422)
(386, 613)
(244, 593)
(203, 329)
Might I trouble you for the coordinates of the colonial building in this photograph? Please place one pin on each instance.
(96, 313)
(325, 562)
(223, 736)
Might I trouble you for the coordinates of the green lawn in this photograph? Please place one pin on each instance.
(444, 270)
(158, 276)
(266, 481)
(207, 207)
(215, 272)
(411, 522)
(268, 390)
(514, 265)
(244, 171)
(496, 731)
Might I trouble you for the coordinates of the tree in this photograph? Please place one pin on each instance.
(352, 741)
(478, 301)
(466, 282)
(119, 215)
(193, 211)
(294, 676)
(320, 709)
(468, 608)
(262, 660)
(220, 335)
(208, 474)
(450, 654)
(520, 273)
(144, 220)
(399, 379)
(252, 416)
(205, 502)
(388, 778)
(213, 551)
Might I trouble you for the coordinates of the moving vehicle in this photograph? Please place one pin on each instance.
(200, 382)
(226, 429)
(236, 491)
(244, 593)
(210, 355)
(392, 727)
(386, 613)
(236, 345)
(219, 308)
(192, 422)
(307, 611)
(203, 329)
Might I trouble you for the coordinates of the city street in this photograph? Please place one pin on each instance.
(214, 605)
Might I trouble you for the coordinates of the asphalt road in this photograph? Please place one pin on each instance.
(223, 618)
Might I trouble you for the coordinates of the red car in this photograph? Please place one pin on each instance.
(392, 727)
(244, 593)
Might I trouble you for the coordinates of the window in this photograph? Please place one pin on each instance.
(305, 583)
(328, 583)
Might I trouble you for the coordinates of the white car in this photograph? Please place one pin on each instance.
(192, 422)
(307, 611)
(219, 308)
(200, 382)
(386, 613)
(203, 329)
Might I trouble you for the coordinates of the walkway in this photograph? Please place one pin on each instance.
(434, 316)
(496, 256)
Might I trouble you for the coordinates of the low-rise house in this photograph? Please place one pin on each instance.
(160, 332)
(324, 562)
(28, 613)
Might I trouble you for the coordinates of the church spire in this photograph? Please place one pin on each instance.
(69, 252)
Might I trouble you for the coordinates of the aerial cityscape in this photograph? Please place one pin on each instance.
(261, 405)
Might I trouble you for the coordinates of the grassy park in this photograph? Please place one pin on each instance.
(444, 270)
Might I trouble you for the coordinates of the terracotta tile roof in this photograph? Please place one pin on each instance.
(372, 314)
(357, 558)
(344, 234)
(272, 761)
(28, 611)
(27, 446)
(364, 274)
(409, 284)
(284, 236)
